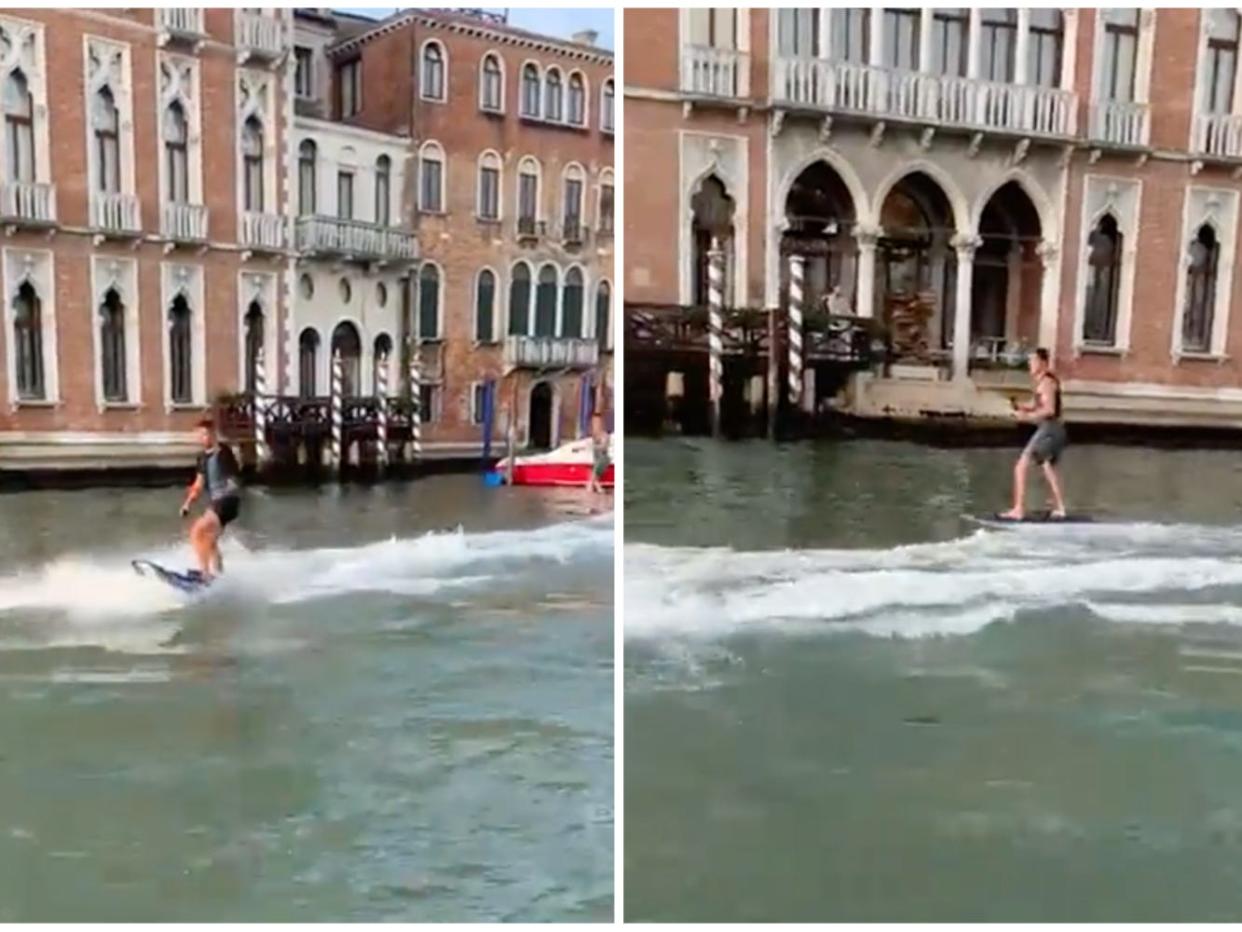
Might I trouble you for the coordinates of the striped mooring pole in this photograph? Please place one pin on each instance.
(381, 425)
(338, 413)
(416, 394)
(261, 451)
(797, 272)
(715, 332)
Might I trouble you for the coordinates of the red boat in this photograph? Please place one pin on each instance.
(568, 464)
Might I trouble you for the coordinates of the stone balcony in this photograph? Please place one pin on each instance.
(355, 240)
(263, 232)
(1218, 136)
(184, 223)
(835, 87)
(181, 24)
(27, 203)
(551, 352)
(114, 214)
(1119, 124)
(711, 72)
(259, 36)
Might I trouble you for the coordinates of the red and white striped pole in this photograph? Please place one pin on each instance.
(715, 332)
(797, 272)
(381, 425)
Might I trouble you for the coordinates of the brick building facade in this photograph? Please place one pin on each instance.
(1066, 178)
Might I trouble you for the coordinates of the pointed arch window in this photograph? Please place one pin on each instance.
(106, 126)
(307, 188)
(530, 90)
(254, 344)
(571, 304)
(545, 302)
(519, 300)
(431, 178)
(1201, 276)
(28, 344)
(252, 165)
(485, 307)
(112, 348)
(18, 128)
(176, 154)
(181, 351)
(381, 357)
(348, 345)
(1104, 246)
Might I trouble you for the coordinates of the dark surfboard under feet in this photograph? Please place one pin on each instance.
(996, 519)
(188, 581)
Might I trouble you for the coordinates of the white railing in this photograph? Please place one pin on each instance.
(1119, 123)
(183, 21)
(551, 352)
(184, 222)
(28, 200)
(910, 95)
(1218, 134)
(714, 72)
(354, 238)
(262, 231)
(116, 212)
(259, 33)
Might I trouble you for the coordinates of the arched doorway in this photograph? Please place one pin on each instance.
(345, 340)
(916, 267)
(541, 404)
(713, 219)
(254, 344)
(1008, 275)
(819, 226)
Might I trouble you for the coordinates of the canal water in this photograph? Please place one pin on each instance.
(843, 702)
(397, 705)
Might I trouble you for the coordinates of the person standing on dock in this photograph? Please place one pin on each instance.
(1047, 443)
(217, 474)
(599, 450)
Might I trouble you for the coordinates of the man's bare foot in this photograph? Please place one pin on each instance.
(1013, 514)
(1057, 513)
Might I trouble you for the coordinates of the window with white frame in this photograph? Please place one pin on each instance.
(606, 205)
(428, 403)
(998, 40)
(553, 96)
(28, 343)
(349, 88)
(488, 206)
(1044, 47)
(308, 363)
(1119, 54)
(606, 107)
(519, 300)
(434, 84)
(1202, 265)
(1209, 234)
(950, 41)
(478, 401)
(531, 90)
(902, 35)
(383, 190)
(572, 296)
(19, 142)
(851, 34)
(176, 154)
(571, 218)
(1104, 267)
(106, 133)
(431, 178)
(252, 165)
(112, 348)
(603, 314)
(254, 328)
(1219, 63)
(304, 72)
(714, 27)
(181, 351)
(577, 100)
(307, 188)
(24, 99)
(491, 84)
(345, 194)
(545, 301)
(485, 307)
(528, 195)
(429, 285)
(798, 32)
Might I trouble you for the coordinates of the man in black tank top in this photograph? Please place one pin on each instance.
(1047, 443)
(217, 476)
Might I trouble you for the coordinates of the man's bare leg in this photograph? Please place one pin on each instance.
(1054, 483)
(1018, 511)
(201, 542)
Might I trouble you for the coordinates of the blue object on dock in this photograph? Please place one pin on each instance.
(489, 419)
(493, 479)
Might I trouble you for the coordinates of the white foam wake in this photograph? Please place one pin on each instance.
(1148, 574)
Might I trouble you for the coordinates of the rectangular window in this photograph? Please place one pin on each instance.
(349, 87)
(304, 76)
(714, 27)
(1120, 54)
(901, 38)
(528, 194)
(430, 185)
(573, 202)
(1044, 56)
(478, 394)
(606, 208)
(850, 35)
(345, 195)
(949, 44)
(998, 37)
(383, 212)
(1221, 61)
(428, 403)
(797, 32)
(489, 194)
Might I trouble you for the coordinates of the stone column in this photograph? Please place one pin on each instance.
(867, 237)
(1049, 294)
(973, 37)
(965, 247)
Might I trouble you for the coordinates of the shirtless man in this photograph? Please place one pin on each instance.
(1047, 443)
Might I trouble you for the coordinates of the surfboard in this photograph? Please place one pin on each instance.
(1044, 518)
(190, 581)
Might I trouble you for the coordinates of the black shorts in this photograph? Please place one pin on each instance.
(227, 509)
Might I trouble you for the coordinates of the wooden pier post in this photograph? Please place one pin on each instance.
(416, 395)
(338, 413)
(261, 451)
(715, 332)
(774, 385)
(381, 425)
(797, 270)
